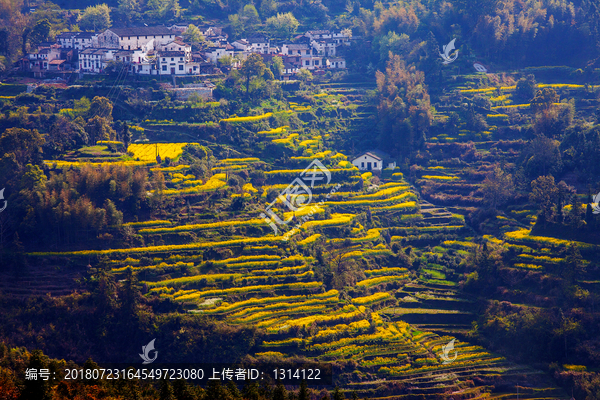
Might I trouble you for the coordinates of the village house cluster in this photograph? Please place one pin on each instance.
(161, 50)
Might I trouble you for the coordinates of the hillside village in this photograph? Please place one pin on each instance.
(161, 50)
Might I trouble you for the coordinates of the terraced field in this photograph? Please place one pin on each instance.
(393, 301)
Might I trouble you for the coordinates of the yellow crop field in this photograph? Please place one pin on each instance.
(374, 298)
(251, 118)
(148, 151)
(309, 240)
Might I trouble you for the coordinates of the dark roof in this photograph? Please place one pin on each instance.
(318, 32)
(258, 39)
(171, 54)
(57, 62)
(66, 35)
(142, 31)
(86, 35)
(297, 46)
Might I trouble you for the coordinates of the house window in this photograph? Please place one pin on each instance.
(172, 59)
(180, 58)
(85, 64)
(181, 67)
(316, 62)
(164, 59)
(362, 164)
(306, 62)
(146, 37)
(164, 67)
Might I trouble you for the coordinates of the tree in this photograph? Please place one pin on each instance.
(130, 9)
(526, 87)
(249, 16)
(98, 128)
(404, 107)
(544, 99)
(277, 66)
(545, 156)
(126, 135)
(304, 75)
(268, 8)
(544, 192)
(279, 393)
(574, 217)
(101, 107)
(337, 394)
(283, 25)
(193, 35)
(497, 188)
(20, 147)
(251, 67)
(303, 393)
(95, 18)
(40, 32)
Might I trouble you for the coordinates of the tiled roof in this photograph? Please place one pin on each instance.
(172, 54)
(142, 31)
(258, 39)
(297, 46)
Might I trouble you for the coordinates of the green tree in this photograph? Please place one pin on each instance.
(98, 128)
(40, 32)
(575, 217)
(545, 156)
(497, 188)
(337, 394)
(303, 392)
(304, 75)
(20, 147)
(126, 135)
(95, 18)
(277, 66)
(526, 87)
(130, 9)
(279, 393)
(249, 16)
(544, 192)
(282, 25)
(544, 99)
(81, 106)
(268, 8)
(166, 391)
(253, 66)
(101, 107)
(193, 35)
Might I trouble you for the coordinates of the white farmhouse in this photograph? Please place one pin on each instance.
(336, 63)
(368, 162)
(135, 38)
(295, 49)
(374, 160)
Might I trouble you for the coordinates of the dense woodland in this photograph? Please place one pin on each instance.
(508, 158)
